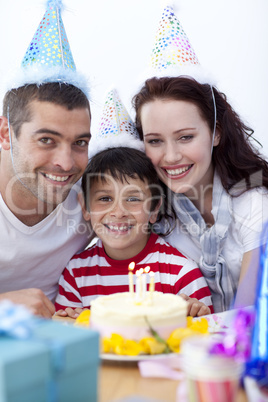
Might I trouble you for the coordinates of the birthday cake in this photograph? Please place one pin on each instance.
(120, 313)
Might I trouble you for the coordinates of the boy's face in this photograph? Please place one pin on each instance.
(120, 214)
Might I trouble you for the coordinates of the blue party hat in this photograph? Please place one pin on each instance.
(257, 366)
(49, 57)
(116, 127)
(49, 46)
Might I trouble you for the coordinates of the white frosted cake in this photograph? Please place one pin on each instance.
(120, 314)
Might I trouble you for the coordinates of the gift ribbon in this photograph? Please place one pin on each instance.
(15, 320)
(164, 367)
(236, 343)
(167, 368)
(18, 322)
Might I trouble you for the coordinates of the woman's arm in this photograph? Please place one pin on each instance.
(246, 291)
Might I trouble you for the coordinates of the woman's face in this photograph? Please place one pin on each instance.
(178, 141)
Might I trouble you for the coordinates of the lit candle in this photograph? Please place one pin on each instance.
(130, 278)
(146, 271)
(143, 284)
(139, 284)
(151, 286)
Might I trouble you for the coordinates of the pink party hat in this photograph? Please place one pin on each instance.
(116, 127)
(172, 54)
(49, 57)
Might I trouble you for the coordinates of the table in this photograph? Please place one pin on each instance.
(121, 380)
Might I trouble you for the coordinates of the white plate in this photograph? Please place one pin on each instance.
(121, 358)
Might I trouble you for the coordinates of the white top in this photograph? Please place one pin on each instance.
(35, 256)
(249, 214)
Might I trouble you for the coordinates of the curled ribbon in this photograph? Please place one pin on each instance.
(236, 343)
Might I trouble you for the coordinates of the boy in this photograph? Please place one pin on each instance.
(122, 198)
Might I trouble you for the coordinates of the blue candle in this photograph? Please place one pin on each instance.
(257, 365)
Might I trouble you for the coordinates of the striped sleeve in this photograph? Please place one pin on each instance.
(68, 295)
(87, 276)
(179, 274)
(191, 281)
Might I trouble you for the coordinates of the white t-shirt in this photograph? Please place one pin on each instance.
(249, 215)
(35, 256)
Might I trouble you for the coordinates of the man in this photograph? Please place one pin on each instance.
(44, 136)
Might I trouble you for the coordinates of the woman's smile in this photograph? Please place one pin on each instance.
(177, 172)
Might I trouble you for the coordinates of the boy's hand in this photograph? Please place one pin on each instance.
(69, 312)
(195, 307)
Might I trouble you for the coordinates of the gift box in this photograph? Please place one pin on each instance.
(57, 362)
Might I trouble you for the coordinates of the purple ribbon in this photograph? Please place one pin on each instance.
(236, 343)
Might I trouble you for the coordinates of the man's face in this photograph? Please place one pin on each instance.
(51, 151)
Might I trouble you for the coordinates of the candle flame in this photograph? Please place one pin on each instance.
(131, 266)
(151, 273)
(147, 269)
(139, 272)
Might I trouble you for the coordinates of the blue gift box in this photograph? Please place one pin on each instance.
(58, 362)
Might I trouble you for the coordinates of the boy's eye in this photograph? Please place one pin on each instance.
(133, 199)
(105, 199)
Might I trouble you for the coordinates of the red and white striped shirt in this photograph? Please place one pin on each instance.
(92, 273)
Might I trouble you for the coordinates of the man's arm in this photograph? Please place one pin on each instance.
(34, 299)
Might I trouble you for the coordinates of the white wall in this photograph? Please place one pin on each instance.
(111, 41)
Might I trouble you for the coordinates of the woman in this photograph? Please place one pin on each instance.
(216, 182)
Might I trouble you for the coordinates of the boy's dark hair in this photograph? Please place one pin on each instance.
(122, 163)
(17, 101)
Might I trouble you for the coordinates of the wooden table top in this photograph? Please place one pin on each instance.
(121, 380)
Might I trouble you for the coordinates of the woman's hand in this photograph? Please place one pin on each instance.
(195, 307)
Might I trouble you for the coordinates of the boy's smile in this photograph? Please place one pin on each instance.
(120, 215)
(119, 228)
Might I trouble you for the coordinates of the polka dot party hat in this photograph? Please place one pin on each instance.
(116, 127)
(172, 54)
(50, 46)
(49, 57)
(172, 47)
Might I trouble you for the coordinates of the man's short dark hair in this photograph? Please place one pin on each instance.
(16, 101)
